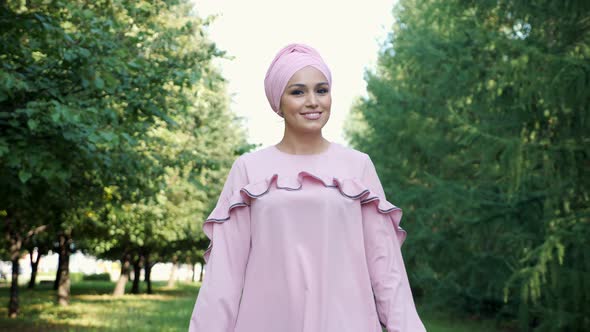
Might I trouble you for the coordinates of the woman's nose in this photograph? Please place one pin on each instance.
(312, 100)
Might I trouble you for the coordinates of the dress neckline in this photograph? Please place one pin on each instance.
(328, 149)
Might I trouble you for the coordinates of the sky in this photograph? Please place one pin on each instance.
(348, 36)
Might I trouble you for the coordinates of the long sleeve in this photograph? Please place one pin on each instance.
(228, 227)
(383, 239)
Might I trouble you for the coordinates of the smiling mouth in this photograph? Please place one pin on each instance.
(312, 115)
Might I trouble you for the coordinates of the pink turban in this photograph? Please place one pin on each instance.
(288, 61)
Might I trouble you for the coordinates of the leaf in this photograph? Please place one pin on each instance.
(98, 82)
(84, 52)
(107, 135)
(93, 138)
(24, 176)
(33, 124)
(3, 148)
(69, 55)
(55, 115)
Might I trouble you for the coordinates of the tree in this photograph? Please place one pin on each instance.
(477, 116)
(85, 89)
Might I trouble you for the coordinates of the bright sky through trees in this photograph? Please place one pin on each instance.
(347, 34)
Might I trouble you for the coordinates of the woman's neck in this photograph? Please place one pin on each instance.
(303, 144)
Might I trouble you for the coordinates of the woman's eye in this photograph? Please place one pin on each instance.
(296, 92)
(323, 90)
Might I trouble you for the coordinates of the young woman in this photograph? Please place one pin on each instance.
(302, 237)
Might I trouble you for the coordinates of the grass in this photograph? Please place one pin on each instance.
(444, 323)
(92, 308)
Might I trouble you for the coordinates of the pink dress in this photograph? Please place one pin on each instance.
(304, 243)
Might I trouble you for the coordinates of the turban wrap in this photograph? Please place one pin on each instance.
(288, 61)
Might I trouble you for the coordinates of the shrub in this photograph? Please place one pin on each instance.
(97, 277)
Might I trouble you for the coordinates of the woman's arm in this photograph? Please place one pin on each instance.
(217, 304)
(383, 239)
(393, 296)
(228, 228)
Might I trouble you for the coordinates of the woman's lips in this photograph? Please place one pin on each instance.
(312, 116)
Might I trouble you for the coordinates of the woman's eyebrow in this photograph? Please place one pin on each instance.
(303, 85)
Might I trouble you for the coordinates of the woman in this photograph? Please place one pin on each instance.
(302, 236)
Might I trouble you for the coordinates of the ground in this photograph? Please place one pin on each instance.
(93, 308)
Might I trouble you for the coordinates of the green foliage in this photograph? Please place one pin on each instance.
(76, 276)
(477, 118)
(97, 277)
(114, 126)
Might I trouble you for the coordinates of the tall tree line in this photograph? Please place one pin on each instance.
(477, 116)
(114, 128)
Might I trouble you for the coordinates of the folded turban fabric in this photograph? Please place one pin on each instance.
(286, 63)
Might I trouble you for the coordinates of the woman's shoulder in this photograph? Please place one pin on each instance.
(339, 160)
(336, 150)
(350, 152)
(261, 155)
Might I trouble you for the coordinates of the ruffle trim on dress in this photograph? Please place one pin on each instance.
(349, 187)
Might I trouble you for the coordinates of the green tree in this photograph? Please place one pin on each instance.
(477, 116)
(91, 93)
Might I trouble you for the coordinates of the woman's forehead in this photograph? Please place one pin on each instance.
(308, 76)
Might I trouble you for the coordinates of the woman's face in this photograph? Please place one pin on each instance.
(306, 101)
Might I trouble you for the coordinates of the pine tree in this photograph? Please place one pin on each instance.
(477, 115)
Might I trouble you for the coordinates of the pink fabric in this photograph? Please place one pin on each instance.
(300, 243)
(287, 62)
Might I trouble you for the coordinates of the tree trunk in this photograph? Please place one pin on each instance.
(63, 290)
(16, 243)
(13, 305)
(172, 278)
(136, 274)
(57, 274)
(120, 286)
(148, 272)
(136, 271)
(34, 267)
(194, 271)
(201, 273)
